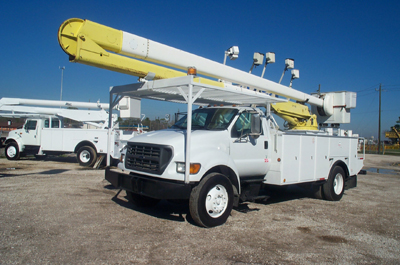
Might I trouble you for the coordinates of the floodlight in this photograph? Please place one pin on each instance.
(295, 75)
(233, 53)
(258, 59)
(289, 64)
(269, 58)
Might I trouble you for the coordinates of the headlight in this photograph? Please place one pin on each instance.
(194, 167)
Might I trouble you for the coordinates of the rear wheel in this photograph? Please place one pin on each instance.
(12, 151)
(211, 201)
(86, 156)
(141, 200)
(333, 189)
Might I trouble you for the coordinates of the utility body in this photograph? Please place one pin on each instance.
(217, 155)
(44, 132)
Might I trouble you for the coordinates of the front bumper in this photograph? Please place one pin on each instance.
(148, 186)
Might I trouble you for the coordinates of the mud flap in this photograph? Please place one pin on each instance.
(351, 182)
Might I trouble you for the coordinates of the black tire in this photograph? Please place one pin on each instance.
(86, 156)
(12, 151)
(333, 189)
(219, 190)
(141, 200)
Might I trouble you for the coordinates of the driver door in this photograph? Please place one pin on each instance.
(30, 133)
(249, 153)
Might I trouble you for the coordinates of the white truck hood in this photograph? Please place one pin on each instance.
(200, 140)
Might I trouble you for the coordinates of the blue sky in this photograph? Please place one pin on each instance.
(342, 45)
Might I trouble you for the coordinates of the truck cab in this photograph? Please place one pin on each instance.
(229, 146)
(27, 140)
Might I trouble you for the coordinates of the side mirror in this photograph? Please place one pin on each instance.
(255, 125)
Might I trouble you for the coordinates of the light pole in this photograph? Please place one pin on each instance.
(62, 75)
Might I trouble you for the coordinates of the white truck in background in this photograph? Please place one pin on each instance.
(228, 149)
(44, 132)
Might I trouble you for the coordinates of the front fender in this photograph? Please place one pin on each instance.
(211, 159)
(21, 146)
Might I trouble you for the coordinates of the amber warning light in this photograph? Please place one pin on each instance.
(192, 71)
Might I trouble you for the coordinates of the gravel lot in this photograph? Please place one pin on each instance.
(56, 212)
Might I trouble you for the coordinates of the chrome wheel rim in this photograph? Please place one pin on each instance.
(216, 201)
(84, 156)
(338, 184)
(11, 151)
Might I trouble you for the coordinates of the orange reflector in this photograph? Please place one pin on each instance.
(194, 168)
(192, 70)
(279, 160)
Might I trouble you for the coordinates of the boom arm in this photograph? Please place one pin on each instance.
(73, 114)
(296, 115)
(93, 44)
(19, 107)
(52, 103)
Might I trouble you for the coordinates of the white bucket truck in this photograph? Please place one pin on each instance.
(228, 149)
(234, 150)
(44, 133)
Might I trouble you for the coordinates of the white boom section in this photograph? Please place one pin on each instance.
(53, 103)
(177, 90)
(73, 114)
(142, 48)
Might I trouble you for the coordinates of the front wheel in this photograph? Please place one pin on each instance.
(12, 151)
(211, 201)
(86, 156)
(333, 189)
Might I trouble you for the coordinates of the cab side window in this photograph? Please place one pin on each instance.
(55, 123)
(242, 125)
(30, 125)
(46, 123)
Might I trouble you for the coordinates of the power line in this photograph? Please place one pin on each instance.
(373, 92)
(390, 85)
(369, 88)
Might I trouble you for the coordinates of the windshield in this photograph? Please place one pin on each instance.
(208, 119)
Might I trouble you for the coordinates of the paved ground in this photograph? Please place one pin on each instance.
(56, 212)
